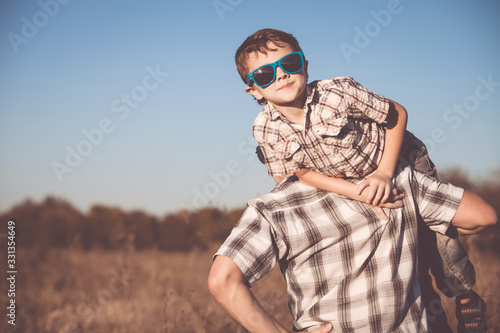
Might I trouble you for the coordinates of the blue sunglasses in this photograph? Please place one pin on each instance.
(265, 75)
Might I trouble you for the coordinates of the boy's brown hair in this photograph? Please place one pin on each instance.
(258, 42)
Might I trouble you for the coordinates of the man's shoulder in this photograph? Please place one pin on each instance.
(286, 195)
(270, 200)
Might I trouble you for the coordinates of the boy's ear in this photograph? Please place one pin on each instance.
(254, 92)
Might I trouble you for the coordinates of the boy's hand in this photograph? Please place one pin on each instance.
(388, 198)
(380, 193)
(379, 188)
(391, 203)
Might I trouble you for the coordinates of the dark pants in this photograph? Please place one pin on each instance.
(443, 255)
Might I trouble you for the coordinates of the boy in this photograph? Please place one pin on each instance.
(331, 133)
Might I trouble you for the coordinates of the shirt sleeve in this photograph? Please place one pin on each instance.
(252, 246)
(437, 202)
(362, 103)
(281, 158)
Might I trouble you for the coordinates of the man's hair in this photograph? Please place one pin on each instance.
(258, 42)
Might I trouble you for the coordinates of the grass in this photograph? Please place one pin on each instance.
(155, 291)
(123, 291)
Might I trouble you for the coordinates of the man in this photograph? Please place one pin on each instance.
(346, 269)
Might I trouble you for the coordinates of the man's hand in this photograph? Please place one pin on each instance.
(323, 329)
(379, 187)
(230, 289)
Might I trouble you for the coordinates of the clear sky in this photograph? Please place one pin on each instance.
(137, 104)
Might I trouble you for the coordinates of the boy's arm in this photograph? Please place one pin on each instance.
(379, 183)
(346, 188)
(323, 182)
(473, 215)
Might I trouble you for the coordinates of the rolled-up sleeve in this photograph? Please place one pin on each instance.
(252, 245)
(362, 103)
(438, 202)
(281, 159)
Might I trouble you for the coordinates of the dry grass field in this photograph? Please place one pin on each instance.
(155, 291)
(123, 291)
(108, 271)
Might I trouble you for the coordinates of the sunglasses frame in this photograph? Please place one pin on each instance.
(273, 66)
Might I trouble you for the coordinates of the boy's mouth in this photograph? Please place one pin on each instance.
(286, 86)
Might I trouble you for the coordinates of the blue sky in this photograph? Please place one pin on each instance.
(137, 104)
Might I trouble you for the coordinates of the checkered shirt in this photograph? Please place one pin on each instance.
(342, 136)
(342, 263)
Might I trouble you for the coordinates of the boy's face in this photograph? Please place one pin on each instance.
(287, 89)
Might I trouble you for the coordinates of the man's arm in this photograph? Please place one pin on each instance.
(379, 183)
(228, 285)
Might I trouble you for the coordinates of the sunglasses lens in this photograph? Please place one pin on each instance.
(292, 63)
(263, 75)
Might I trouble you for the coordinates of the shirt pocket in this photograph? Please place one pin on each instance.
(291, 153)
(338, 134)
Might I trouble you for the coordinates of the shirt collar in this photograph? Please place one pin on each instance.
(272, 112)
(311, 91)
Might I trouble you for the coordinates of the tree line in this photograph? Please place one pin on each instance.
(56, 223)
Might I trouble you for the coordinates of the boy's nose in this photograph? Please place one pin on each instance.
(280, 74)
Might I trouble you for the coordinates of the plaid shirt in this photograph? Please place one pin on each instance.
(342, 136)
(341, 262)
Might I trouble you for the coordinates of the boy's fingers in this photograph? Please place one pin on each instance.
(362, 186)
(378, 197)
(387, 194)
(371, 196)
(395, 195)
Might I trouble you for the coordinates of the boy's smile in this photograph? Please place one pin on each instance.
(287, 90)
(286, 86)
